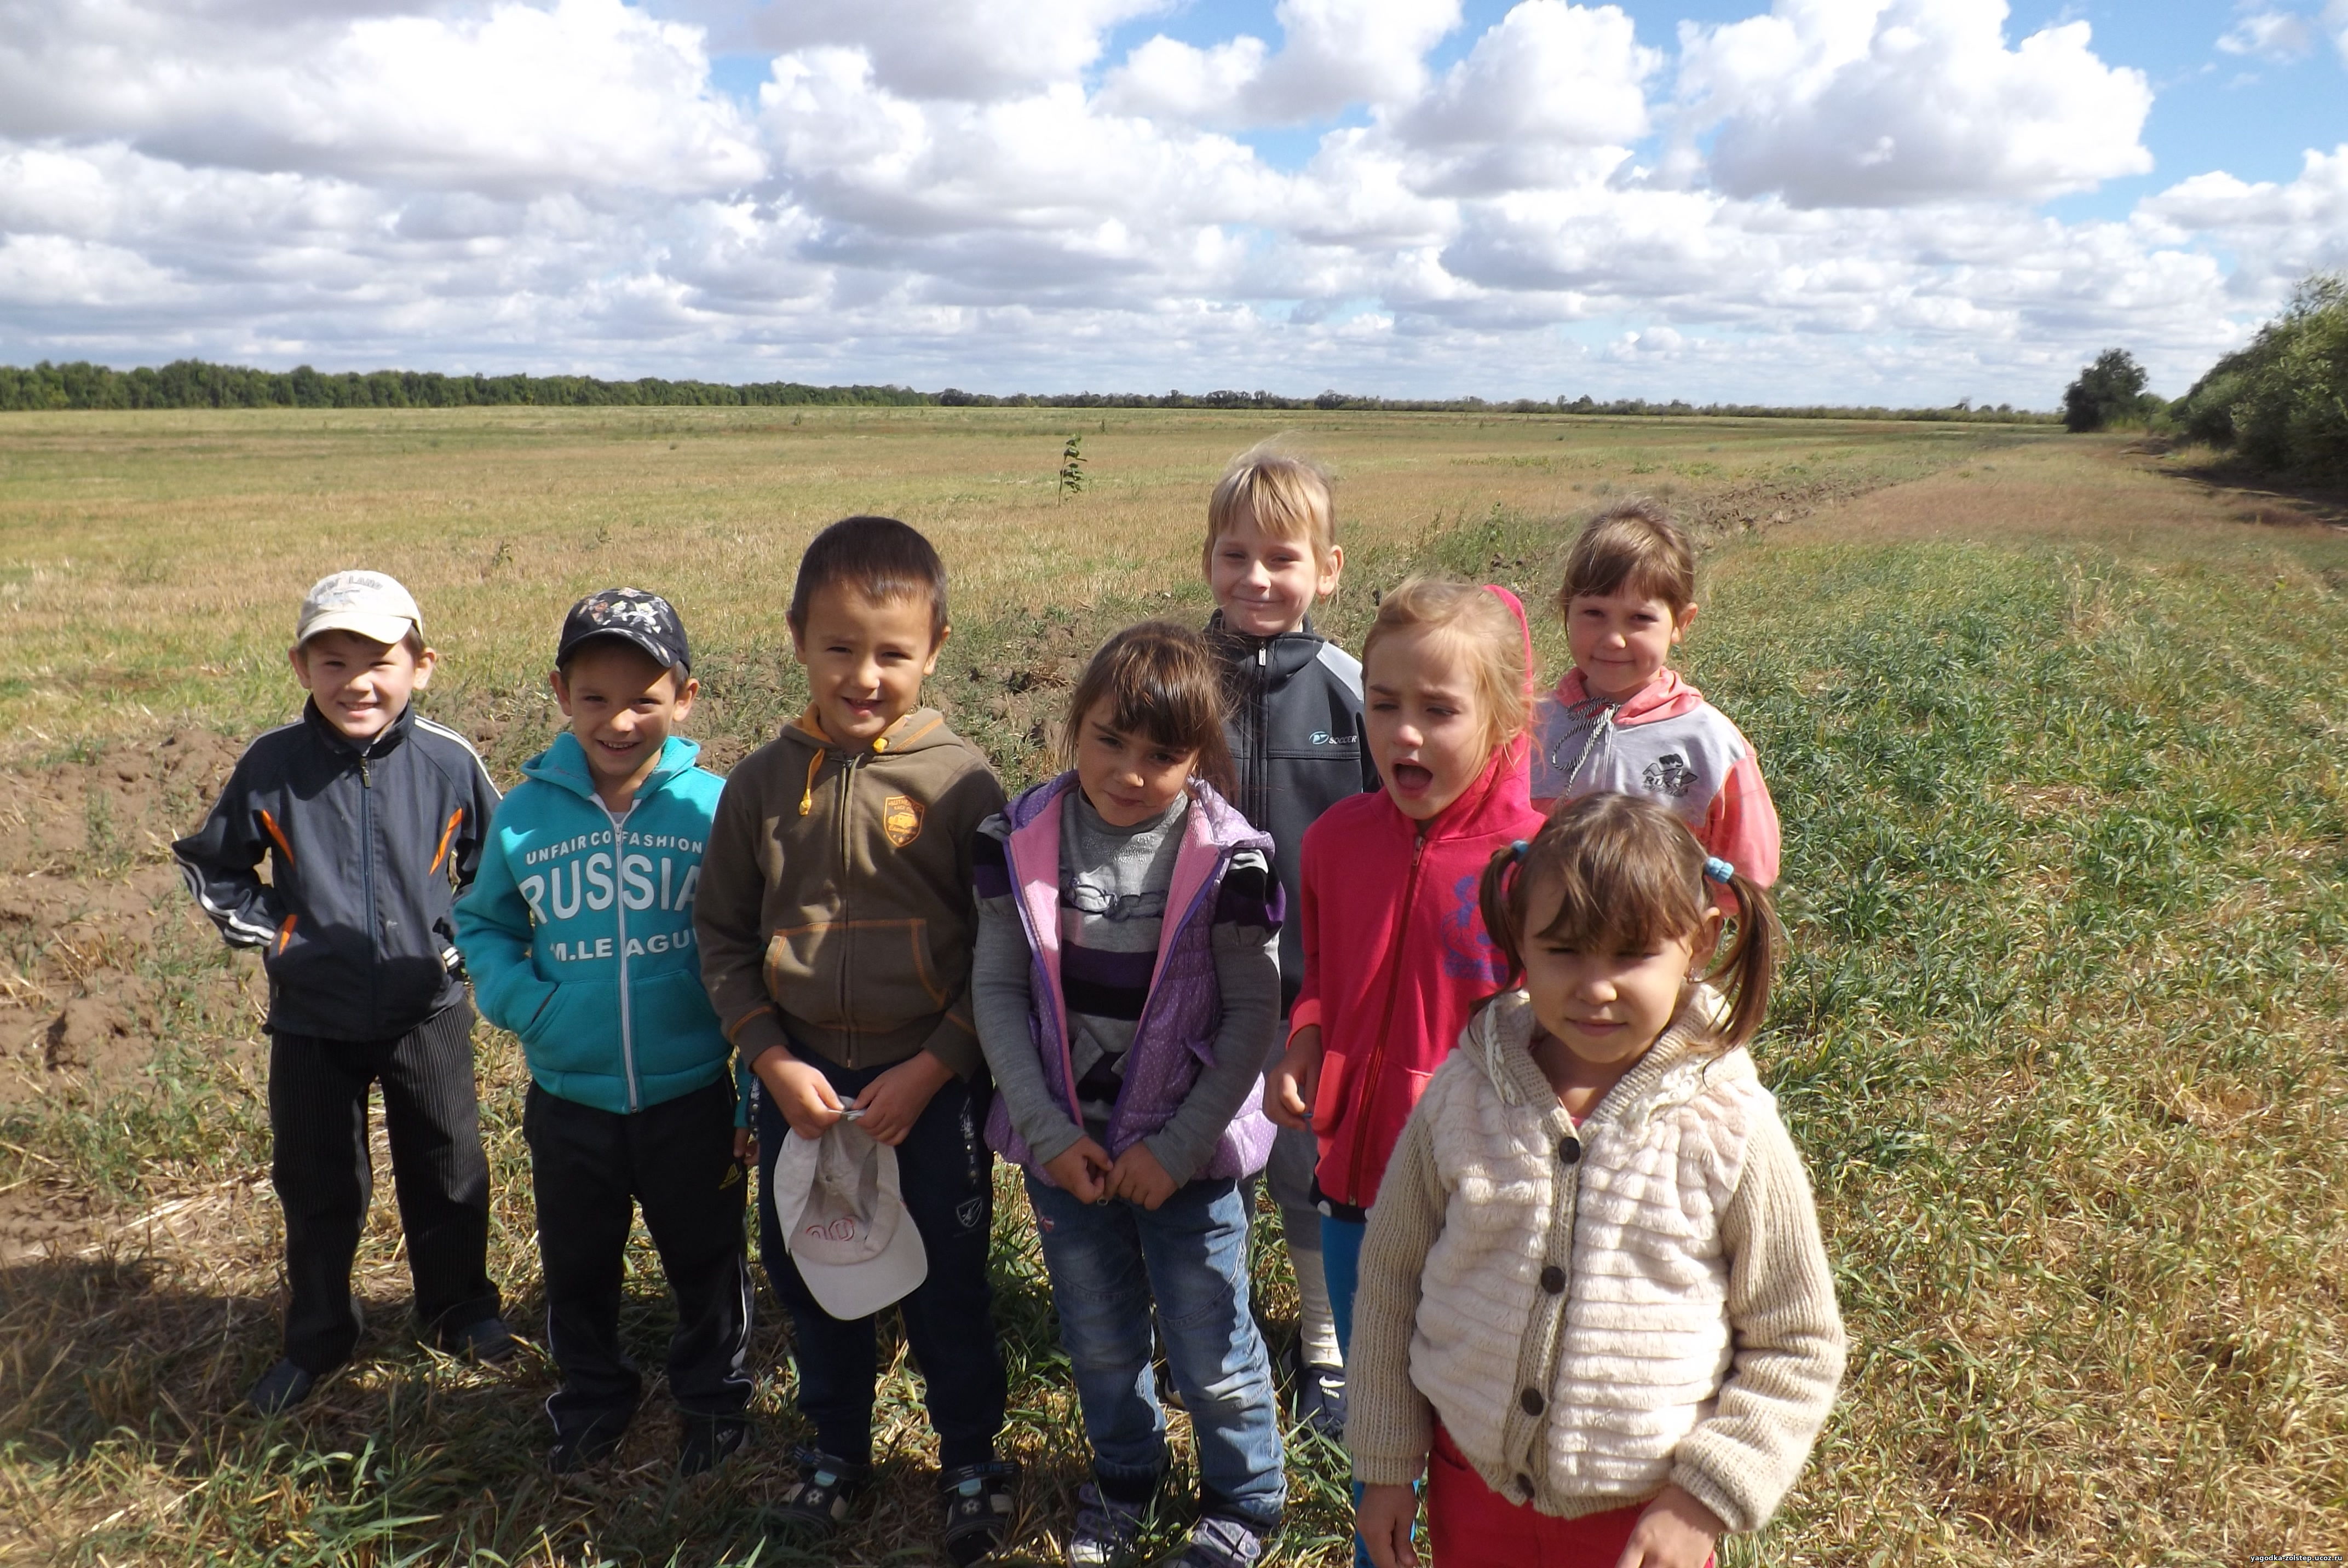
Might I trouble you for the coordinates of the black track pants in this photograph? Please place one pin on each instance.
(318, 1121)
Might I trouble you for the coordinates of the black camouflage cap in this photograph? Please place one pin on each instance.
(645, 620)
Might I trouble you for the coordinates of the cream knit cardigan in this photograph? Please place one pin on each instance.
(1594, 1314)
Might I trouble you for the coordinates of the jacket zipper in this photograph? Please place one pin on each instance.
(620, 914)
(1369, 1074)
(367, 885)
(847, 918)
(1259, 792)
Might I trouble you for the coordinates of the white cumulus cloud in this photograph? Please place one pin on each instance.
(1333, 54)
(1827, 201)
(1864, 103)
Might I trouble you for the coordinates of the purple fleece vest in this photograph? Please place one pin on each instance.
(1175, 1036)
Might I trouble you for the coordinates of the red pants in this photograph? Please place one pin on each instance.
(1469, 1526)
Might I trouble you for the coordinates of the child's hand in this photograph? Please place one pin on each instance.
(1675, 1531)
(1082, 1170)
(1288, 1087)
(1138, 1178)
(1384, 1520)
(800, 1091)
(746, 1147)
(893, 1101)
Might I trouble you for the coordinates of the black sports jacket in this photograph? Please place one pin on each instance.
(1295, 731)
(366, 849)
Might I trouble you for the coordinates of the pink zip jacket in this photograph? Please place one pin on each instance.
(1396, 955)
(1667, 743)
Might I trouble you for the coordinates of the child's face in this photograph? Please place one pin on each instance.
(866, 659)
(362, 686)
(1424, 725)
(1265, 585)
(1606, 1001)
(622, 705)
(1129, 778)
(1621, 640)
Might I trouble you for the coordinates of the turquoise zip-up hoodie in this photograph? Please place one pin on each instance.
(583, 946)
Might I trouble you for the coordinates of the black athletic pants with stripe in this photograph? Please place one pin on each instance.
(590, 1169)
(318, 1121)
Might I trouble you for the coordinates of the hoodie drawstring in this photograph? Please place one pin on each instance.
(807, 795)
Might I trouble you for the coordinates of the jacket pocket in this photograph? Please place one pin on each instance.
(676, 1030)
(1329, 1094)
(296, 949)
(577, 1029)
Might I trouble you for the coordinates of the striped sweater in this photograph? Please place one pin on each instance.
(1595, 1313)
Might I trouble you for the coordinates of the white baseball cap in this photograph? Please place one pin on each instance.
(844, 1220)
(366, 603)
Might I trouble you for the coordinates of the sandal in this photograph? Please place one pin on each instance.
(815, 1505)
(977, 1500)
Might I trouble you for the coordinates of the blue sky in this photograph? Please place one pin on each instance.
(1800, 201)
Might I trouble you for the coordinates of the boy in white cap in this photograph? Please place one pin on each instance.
(371, 817)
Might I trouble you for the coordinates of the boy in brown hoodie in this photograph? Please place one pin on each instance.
(837, 921)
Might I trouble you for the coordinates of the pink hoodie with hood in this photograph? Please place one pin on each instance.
(1396, 955)
(1666, 742)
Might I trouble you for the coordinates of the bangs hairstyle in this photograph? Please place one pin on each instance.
(1481, 624)
(881, 558)
(1631, 547)
(1629, 876)
(1159, 681)
(1287, 495)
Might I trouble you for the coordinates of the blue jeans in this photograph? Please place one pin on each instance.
(1108, 1262)
(1341, 1262)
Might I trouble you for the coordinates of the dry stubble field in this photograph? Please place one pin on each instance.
(2057, 736)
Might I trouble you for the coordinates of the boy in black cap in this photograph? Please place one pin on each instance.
(370, 817)
(579, 935)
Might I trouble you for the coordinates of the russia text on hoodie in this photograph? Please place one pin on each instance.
(578, 931)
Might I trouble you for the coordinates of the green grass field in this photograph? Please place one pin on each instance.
(2057, 737)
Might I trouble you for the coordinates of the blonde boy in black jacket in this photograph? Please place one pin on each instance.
(370, 817)
(1295, 731)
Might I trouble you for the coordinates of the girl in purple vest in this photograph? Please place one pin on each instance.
(1128, 985)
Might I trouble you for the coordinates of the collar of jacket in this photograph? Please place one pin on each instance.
(1675, 1070)
(393, 735)
(1665, 696)
(564, 766)
(915, 731)
(1283, 655)
(1499, 800)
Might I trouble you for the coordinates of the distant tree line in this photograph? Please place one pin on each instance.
(2281, 403)
(1963, 410)
(196, 383)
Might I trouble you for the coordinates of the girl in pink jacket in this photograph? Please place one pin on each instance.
(1622, 721)
(1396, 954)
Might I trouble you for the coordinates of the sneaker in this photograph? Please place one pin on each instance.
(585, 1447)
(977, 1501)
(488, 1341)
(1320, 1400)
(707, 1441)
(1218, 1540)
(815, 1505)
(280, 1389)
(1107, 1528)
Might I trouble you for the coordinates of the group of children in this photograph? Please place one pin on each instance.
(1439, 961)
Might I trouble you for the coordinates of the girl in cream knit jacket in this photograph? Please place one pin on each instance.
(1594, 1306)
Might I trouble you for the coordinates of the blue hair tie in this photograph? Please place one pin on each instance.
(1718, 869)
(1516, 849)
